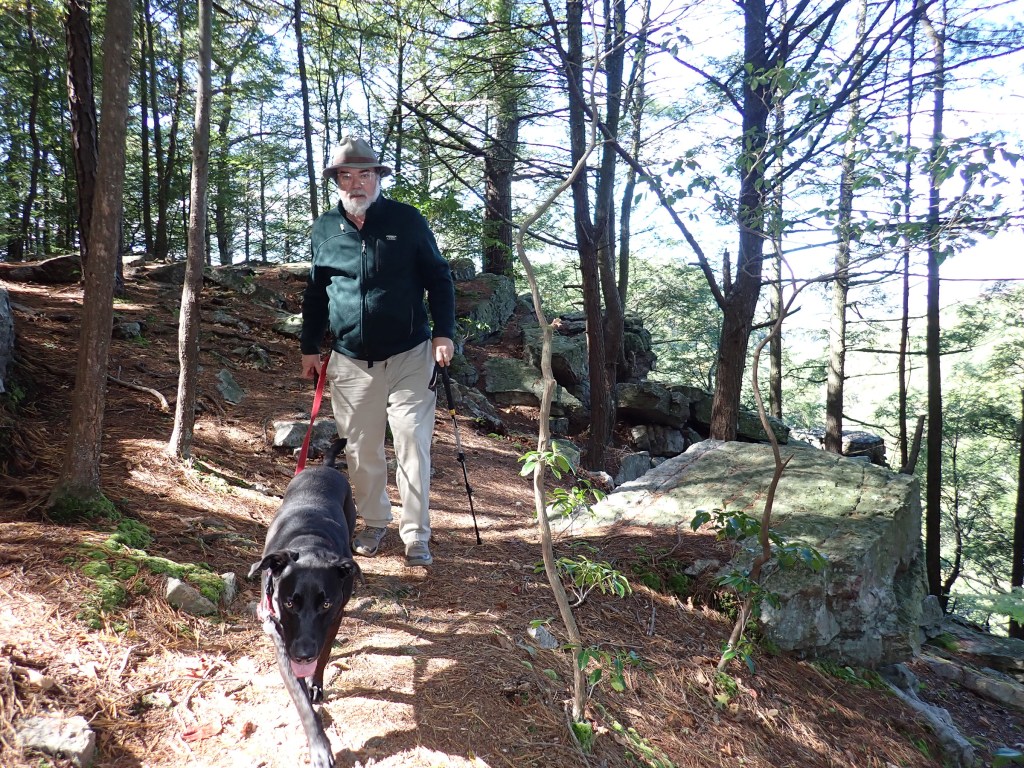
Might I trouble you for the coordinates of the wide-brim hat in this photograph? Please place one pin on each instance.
(353, 153)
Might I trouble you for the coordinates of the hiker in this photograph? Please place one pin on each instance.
(373, 261)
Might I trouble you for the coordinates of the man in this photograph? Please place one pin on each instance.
(373, 261)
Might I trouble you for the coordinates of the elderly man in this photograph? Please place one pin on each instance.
(374, 259)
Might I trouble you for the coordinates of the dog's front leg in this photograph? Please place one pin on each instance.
(320, 754)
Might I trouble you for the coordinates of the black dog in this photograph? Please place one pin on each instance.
(308, 577)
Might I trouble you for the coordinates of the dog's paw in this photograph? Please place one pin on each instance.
(321, 758)
(316, 694)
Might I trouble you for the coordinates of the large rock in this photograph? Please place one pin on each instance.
(865, 606)
(748, 423)
(483, 305)
(52, 271)
(856, 442)
(516, 382)
(569, 363)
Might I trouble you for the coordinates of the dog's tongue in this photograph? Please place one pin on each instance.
(303, 670)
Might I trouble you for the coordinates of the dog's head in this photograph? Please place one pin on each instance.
(305, 595)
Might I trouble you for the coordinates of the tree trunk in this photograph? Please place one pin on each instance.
(903, 383)
(165, 174)
(222, 223)
(500, 152)
(740, 301)
(835, 392)
(589, 245)
(36, 158)
(933, 486)
(307, 123)
(188, 325)
(1017, 566)
(80, 474)
(82, 110)
(147, 174)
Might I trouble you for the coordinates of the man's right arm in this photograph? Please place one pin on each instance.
(315, 318)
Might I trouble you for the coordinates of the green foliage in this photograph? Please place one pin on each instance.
(739, 526)
(584, 733)
(725, 688)
(639, 751)
(68, 508)
(586, 575)
(555, 462)
(610, 663)
(1007, 756)
(864, 678)
(119, 560)
(662, 574)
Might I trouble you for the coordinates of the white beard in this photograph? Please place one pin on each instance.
(357, 204)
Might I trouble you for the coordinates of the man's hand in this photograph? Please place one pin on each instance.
(310, 366)
(444, 351)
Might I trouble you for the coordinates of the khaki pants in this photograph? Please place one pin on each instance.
(365, 397)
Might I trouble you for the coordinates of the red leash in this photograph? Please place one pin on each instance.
(312, 416)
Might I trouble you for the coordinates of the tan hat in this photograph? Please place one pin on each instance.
(353, 153)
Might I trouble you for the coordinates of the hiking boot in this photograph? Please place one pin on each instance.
(418, 553)
(368, 542)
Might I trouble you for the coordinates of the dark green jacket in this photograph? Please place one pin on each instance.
(367, 286)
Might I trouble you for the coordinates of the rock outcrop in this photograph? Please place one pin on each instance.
(864, 608)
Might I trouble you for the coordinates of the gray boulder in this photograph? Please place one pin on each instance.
(569, 363)
(855, 443)
(652, 403)
(62, 736)
(291, 434)
(864, 608)
(483, 305)
(516, 382)
(658, 440)
(633, 466)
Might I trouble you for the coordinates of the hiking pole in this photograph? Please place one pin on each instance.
(459, 455)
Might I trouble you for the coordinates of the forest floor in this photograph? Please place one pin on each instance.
(432, 667)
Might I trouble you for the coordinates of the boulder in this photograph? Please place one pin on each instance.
(516, 382)
(633, 466)
(569, 363)
(855, 443)
(658, 440)
(865, 606)
(649, 402)
(67, 737)
(52, 271)
(483, 305)
(748, 424)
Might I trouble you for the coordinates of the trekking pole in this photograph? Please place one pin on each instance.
(458, 445)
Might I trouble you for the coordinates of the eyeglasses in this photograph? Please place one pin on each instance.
(363, 177)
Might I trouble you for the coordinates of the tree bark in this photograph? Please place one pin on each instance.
(167, 170)
(82, 110)
(835, 390)
(740, 300)
(188, 324)
(1017, 566)
(307, 123)
(80, 474)
(500, 151)
(36, 157)
(933, 462)
(147, 173)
